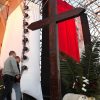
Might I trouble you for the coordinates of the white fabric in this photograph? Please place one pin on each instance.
(12, 38)
(80, 35)
(13, 35)
(71, 96)
(30, 80)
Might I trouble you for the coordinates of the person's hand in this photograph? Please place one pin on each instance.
(17, 76)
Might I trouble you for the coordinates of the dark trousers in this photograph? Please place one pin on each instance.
(8, 83)
(27, 97)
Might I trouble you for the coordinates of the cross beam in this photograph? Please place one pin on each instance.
(55, 93)
(58, 18)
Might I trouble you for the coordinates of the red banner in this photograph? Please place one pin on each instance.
(68, 39)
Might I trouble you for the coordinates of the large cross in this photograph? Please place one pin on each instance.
(52, 21)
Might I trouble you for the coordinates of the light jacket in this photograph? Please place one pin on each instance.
(10, 67)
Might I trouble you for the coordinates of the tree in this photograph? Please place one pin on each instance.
(86, 74)
(90, 62)
(71, 72)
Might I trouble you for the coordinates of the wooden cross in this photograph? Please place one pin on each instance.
(52, 21)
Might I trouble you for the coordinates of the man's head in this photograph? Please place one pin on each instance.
(17, 59)
(12, 53)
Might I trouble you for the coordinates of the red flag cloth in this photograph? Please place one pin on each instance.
(68, 39)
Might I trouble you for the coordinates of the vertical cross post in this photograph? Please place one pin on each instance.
(53, 54)
(49, 25)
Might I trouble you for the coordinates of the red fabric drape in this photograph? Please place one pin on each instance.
(68, 41)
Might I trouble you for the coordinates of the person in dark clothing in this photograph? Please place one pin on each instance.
(18, 66)
(9, 72)
(16, 85)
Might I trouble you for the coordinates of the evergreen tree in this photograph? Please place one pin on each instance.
(89, 62)
(73, 73)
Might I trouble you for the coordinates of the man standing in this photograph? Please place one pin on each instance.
(9, 72)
